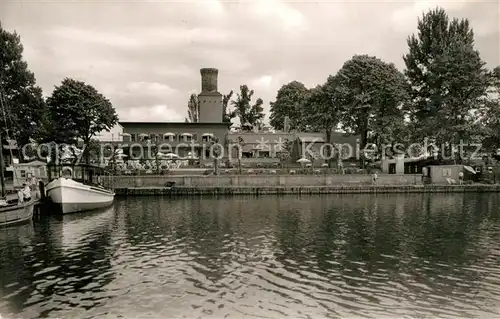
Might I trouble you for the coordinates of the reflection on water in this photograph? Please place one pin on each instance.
(346, 256)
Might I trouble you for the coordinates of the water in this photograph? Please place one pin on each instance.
(349, 256)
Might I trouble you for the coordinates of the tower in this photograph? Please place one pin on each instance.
(210, 100)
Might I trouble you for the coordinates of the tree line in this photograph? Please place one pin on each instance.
(74, 113)
(444, 94)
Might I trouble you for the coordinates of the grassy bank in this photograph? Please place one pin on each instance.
(303, 190)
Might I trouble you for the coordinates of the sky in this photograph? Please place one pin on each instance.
(145, 56)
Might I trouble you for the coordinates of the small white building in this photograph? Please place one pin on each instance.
(24, 172)
(115, 134)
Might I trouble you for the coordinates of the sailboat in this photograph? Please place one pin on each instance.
(13, 211)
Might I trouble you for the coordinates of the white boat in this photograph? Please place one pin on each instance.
(16, 213)
(73, 189)
(74, 196)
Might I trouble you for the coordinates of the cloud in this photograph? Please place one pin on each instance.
(154, 113)
(146, 56)
(151, 88)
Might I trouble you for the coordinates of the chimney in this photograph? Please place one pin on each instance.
(210, 100)
(286, 125)
(209, 79)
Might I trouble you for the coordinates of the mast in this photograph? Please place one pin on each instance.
(2, 104)
(1, 167)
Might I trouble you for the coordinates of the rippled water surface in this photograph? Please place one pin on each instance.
(349, 256)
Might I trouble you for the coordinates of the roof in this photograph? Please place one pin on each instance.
(176, 123)
(32, 163)
(311, 139)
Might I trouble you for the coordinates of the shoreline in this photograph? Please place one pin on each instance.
(303, 190)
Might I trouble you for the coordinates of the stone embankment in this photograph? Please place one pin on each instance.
(195, 185)
(303, 190)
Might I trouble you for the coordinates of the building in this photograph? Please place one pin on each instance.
(144, 139)
(24, 172)
(182, 138)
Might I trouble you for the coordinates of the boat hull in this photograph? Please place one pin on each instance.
(16, 214)
(72, 196)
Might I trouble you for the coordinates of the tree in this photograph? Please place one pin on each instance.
(289, 102)
(371, 93)
(21, 100)
(490, 119)
(78, 111)
(447, 78)
(193, 109)
(245, 110)
(322, 109)
(227, 115)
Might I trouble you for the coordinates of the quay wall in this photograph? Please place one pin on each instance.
(196, 181)
(304, 190)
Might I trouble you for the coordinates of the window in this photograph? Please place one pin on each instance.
(264, 154)
(133, 137)
(23, 173)
(169, 137)
(186, 137)
(207, 137)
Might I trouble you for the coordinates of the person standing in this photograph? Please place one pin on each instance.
(20, 196)
(26, 192)
(460, 178)
(374, 178)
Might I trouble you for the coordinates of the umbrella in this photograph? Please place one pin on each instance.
(191, 156)
(470, 169)
(168, 155)
(303, 160)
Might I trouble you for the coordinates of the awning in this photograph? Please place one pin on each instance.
(208, 134)
(168, 134)
(125, 134)
(143, 135)
(186, 134)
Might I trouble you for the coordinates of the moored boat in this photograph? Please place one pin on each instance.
(16, 213)
(76, 192)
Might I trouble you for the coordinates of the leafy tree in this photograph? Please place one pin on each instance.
(193, 109)
(21, 100)
(247, 112)
(322, 109)
(78, 111)
(227, 115)
(371, 93)
(490, 119)
(447, 78)
(289, 102)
